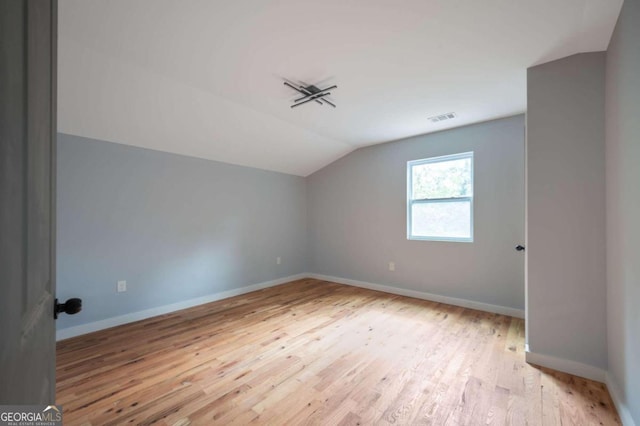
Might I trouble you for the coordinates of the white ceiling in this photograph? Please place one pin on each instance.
(204, 77)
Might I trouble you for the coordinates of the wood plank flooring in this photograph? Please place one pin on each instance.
(313, 352)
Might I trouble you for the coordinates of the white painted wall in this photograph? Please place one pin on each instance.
(623, 211)
(357, 217)
(566, 287)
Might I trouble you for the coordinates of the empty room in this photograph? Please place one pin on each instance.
(338, 213)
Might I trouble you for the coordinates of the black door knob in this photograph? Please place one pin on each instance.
(519, 247)
(70, 307)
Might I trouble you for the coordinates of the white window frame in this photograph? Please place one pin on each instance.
(411, 201)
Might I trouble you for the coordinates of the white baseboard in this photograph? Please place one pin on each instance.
(588, 372)
(78, 330)
(616, 396)
(566, 366)
(496, 309)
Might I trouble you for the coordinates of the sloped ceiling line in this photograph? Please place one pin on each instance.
(204, 77)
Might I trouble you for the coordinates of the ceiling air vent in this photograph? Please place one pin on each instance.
(442, 117)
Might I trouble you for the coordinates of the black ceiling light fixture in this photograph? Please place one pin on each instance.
(311, 93)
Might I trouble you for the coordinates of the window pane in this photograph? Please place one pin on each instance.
(443, 179)
(451, 219)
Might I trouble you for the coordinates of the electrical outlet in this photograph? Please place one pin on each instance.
(392, 266)
(122, 286)
(278, 260)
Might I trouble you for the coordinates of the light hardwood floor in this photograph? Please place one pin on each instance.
(313, 352)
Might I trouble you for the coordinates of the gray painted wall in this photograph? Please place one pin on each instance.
(566, 287)
(357, 217)
(623, 205)
(173, 227)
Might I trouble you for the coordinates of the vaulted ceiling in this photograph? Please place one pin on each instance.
(205, 77)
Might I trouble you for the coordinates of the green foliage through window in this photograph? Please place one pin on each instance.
(445, 179)
(440, 204)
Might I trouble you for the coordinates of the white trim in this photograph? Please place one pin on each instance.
(566, 366)
(496, 309)
(618, 401)
(78, 330)
(411, 201)
(571, 367)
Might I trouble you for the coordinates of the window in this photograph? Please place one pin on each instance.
(440, 198)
